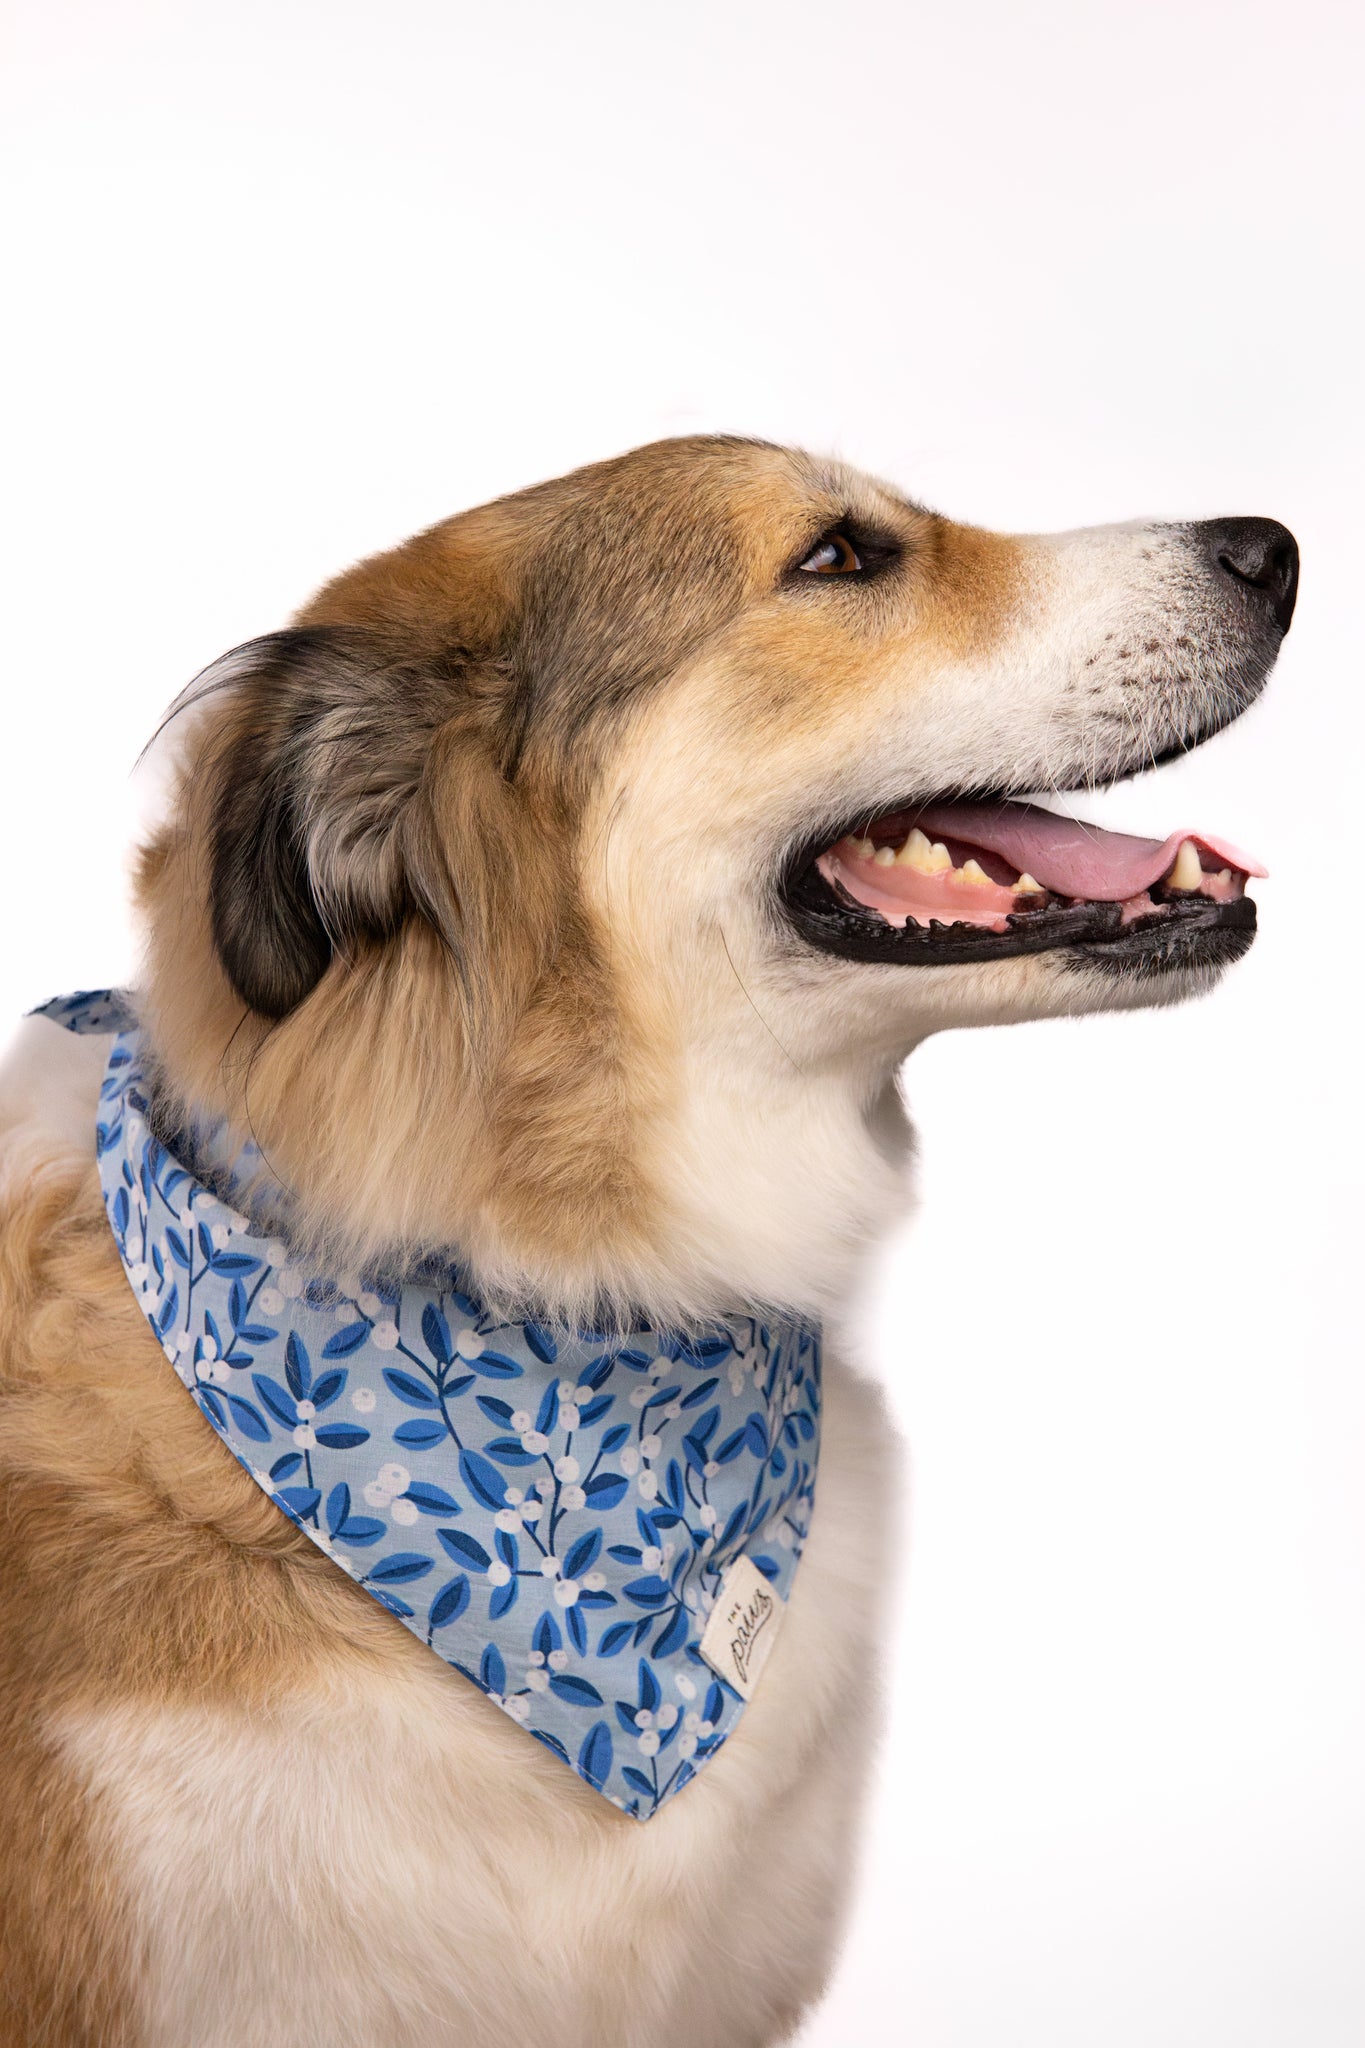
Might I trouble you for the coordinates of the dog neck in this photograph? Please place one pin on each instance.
(593, 1169)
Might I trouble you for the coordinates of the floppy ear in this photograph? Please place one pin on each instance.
(312, 777)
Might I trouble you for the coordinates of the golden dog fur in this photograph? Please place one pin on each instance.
(501, 970)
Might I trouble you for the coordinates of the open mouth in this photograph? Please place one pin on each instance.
(945, 883)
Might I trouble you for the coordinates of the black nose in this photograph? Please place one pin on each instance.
(1258, 554)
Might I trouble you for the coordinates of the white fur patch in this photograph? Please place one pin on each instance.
(49, 1092)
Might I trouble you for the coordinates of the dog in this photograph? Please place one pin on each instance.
(566, 888)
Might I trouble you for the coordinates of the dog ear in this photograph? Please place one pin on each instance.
(312, 775)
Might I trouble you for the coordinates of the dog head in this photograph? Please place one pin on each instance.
(568, 884)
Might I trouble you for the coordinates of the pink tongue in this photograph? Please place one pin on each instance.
(1067, 857)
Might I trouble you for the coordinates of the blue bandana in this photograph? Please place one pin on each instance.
(599, 1532)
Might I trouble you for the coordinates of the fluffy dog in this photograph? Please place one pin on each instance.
(566, 886)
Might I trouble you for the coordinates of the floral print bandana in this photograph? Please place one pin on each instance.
(600, 1532)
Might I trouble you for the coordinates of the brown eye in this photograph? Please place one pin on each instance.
(834, 556)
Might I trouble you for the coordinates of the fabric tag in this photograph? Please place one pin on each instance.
(738, 1639)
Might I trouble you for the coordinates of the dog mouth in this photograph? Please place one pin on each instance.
(952, 882)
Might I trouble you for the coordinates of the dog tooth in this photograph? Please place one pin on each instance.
(1224, 876)
(916, 852)
(1187, 873)
(864, 848)
(1026, 886)
(885, 856)
(939, 858)
(971, 871)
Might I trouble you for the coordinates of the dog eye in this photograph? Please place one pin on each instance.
(835, 555)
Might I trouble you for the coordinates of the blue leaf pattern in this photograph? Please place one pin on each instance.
(550, 1510)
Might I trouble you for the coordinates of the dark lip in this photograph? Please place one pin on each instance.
(1185, 932)
(1170, 945)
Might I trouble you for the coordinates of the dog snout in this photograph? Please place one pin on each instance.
(1258, 555)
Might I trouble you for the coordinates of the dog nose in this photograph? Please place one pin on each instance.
(1259, 554)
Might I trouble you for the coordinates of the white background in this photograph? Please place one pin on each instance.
(288, 281)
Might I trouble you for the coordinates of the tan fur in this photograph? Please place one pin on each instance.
(535, 774)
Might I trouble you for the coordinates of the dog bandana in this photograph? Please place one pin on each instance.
(600, 1532)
